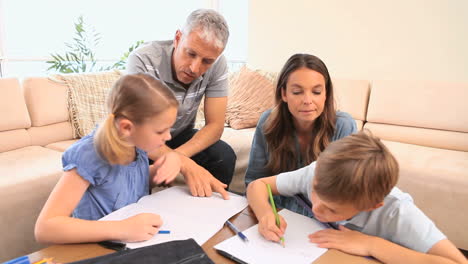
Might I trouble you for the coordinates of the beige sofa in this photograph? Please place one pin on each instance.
(424, 124)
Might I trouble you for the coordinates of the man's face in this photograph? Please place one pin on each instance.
(192, 56)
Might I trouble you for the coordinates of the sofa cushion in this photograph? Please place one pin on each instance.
(27, 176)
(19, 215)
(14, 139)
(251, 93)
(61, 145)
(46, 101)
(12, 106)
(359, 124)
(87, 93)
(352, 96)
(24, 164)
(240, 141)
(421, 136)
(44, 135)
(435, 105)
(427, 173)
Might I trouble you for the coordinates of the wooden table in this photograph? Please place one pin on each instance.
(243, 220)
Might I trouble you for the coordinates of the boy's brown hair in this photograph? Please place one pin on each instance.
(357, 169)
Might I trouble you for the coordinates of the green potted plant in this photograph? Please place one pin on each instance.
(80, 56)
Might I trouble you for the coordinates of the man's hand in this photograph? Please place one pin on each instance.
(344, 239)
(200, 181)
(167, 167)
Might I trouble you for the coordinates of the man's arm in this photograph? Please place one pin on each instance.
(199, 180)
(215, 113)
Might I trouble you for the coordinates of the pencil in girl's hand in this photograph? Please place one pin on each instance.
(272, 202)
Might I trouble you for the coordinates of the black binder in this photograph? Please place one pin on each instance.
(173, 252)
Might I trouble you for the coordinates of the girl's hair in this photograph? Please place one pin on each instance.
(279, 127)
(136, 97)
(356, 169)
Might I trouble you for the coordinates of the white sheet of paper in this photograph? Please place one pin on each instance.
(259, 250)
(184, 215)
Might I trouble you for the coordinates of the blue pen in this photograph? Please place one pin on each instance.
(237, 231)
(164, 232)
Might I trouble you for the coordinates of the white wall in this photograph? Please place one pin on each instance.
(364, 39)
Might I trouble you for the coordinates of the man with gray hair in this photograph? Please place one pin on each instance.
(192, 66)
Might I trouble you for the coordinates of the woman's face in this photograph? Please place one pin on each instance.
(305, 95)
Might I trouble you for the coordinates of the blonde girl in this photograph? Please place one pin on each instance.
(108, 169)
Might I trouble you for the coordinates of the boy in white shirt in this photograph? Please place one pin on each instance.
(352, 187)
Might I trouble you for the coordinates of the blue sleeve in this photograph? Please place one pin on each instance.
(258, 153)
(345, 125)
(89, 165)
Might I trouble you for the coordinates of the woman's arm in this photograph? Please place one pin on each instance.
(258, 154)
(345, 125)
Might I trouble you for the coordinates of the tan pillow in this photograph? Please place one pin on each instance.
(87, 94)
(251, 93)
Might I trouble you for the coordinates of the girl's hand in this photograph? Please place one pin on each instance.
(140, 227)
(268, 228)
(344, 239)
(167, 168)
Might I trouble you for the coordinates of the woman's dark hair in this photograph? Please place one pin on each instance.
(279, 127)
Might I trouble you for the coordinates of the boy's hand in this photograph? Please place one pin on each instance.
(268, 228)
(167, 168)
(344, 239)
(140, 227)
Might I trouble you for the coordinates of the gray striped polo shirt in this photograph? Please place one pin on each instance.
(154, 58)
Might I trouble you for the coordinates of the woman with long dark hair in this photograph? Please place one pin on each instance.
(301, 125)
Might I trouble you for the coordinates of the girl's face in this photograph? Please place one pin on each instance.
(305, 95)
(153, 133)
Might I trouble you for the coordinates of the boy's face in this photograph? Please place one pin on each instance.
(329, 211)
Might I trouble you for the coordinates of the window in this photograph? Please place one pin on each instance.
(31, 30)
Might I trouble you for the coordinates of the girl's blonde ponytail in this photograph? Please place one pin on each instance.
(109, 144)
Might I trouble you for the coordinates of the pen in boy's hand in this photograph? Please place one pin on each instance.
(272, 202)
